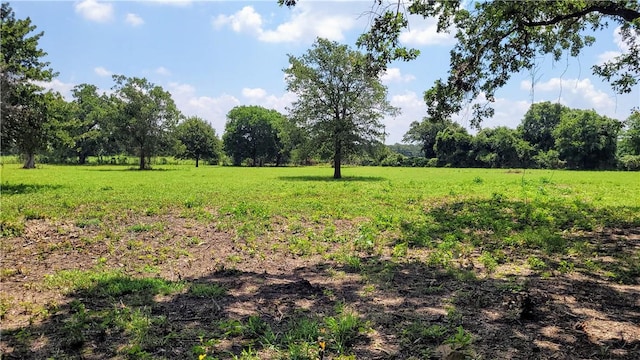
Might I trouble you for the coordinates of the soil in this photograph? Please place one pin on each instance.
(511, 314)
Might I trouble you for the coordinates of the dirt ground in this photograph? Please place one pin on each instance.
(511, 314)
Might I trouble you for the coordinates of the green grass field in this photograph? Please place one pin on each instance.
(106, 251)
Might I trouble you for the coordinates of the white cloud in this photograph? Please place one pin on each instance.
(255, 93)
(607, 56)
(212, 109)
(617, 39)
(56, 85)
(305, 24)
(394, 75)
(94, 10)
(163, 71)
(426, 34)
(101, 71)
(412, 108)
(246, 20)
(133, 19)
(507, 112)
(621, 45)
(574, 93)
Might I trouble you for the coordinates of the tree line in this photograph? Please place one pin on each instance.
(550, 135)
(337, 117)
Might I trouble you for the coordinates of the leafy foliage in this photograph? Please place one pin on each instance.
(498, 38)
(199, 139)
(146, 115)
(252, 132)
(587, 140)
(339, 102)
(23, 108)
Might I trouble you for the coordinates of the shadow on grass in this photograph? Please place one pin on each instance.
(17, 189)
(551, 234)
(331, 179)
(132, 169)
(398, 310)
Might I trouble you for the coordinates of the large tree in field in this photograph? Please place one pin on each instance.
(88, 129)
(146, 115)
(199, 140)
(496, 39)
(252, 132)
(23, 106)
(339, 101)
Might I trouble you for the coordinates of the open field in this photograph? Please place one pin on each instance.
(180, 262)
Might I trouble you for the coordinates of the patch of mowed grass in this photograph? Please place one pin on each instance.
(380, 194)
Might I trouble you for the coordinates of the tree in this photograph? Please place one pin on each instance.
(631, 136)
(454, 146)
(199, 140)
(424, 133)
(251, 132)
(146, 115)
(501, 147)
(539, 122)
(339, 101)
(88, 130)
(586, 140)
(496, 39)
(23, 107)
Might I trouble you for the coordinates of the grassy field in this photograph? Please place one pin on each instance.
(260, 263)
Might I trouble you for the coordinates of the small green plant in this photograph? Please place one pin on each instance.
(566, 267)
(207, 290)
(488, 261)
(342, 329)
(535, 263)
(141, 228)
(460, 339)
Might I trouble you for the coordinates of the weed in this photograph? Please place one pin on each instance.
(460, 339)
(535, 263)
(83, 223)
(488, 261)
(565, 267)
(207, 290)
(343, 330)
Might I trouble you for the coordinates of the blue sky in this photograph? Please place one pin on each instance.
(214, 55)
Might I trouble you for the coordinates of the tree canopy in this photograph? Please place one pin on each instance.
(496, 39)
(199, 140)
(252, 132)
(146, 115)
(23, 106)
(339, 101)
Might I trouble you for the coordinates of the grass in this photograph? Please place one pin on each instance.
(467, 225)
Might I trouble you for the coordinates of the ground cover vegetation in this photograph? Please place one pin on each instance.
(289, 263)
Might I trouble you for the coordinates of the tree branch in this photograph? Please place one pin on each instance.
(615, 10)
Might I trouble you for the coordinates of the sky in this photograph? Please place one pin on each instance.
(215, 55)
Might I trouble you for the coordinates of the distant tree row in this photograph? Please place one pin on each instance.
(337, 118)
(549, 136)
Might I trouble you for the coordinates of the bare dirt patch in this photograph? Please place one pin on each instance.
(404, 302)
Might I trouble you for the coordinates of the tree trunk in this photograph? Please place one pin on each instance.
(82, 159)
(337, 159)
(29, 160)
(197, 158)
(142, 158)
